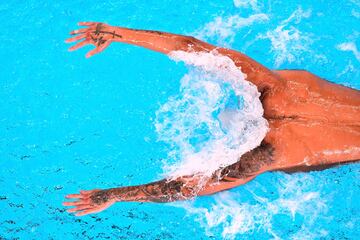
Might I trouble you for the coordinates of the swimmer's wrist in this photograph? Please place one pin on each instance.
(110, 33)
(118, 34)
(114, 194)
(121, 194)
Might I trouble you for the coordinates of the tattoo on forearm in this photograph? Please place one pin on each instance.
(161, 191)
(149, 31)
(183, 188)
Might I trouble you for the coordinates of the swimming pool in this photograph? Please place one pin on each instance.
(70, 123)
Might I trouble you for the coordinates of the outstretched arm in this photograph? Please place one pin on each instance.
(101, 35)
(248, 167)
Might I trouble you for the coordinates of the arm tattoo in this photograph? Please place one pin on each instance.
(98, 35)
(148, 31)
(248, 164)
(160, 191)
(182, 189)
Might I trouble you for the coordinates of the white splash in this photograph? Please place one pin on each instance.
(355, 2)
(253, 4)
(288, 42)
(351, 47)
(350, 72)
(215, 119)
(355, 13)
(349, 68)
(235, 217)
(223, 30)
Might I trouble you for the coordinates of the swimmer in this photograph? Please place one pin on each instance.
(313, 124)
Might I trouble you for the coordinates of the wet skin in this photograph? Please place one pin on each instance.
(314, 124)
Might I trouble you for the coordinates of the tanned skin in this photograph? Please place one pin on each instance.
(314, 124)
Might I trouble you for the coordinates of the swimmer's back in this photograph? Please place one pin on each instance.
(309, 97)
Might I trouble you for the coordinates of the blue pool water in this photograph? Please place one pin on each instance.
(69, 123)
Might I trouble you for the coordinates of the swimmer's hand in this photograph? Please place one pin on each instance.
(88, 202)
(98, 34)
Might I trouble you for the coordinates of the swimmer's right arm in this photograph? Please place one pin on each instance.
(250, 165)
(101, 35)
(166, 190)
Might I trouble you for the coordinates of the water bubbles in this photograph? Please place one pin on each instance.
(216, 117)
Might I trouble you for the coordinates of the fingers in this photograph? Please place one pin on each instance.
(88, 211)
(87, 23)
(83, 30)
(79, 208)
(71, 203)
(84, 192)
(73, 196)
(89, 26)
(76, 38)
(79, 45)
(98, 49)
(77, 203)
(92, 52)
(84, 204)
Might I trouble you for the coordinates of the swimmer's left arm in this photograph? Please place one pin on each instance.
(102, 35)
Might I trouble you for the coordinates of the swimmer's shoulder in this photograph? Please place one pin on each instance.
(318, 84)
(297, 74)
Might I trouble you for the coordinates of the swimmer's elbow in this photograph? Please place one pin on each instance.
(184, 42)
(190, 43)
(223, 184)
(190, 39)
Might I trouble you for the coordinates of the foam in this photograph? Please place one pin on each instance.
(287, 41)
(234, 217)
(355, 13)
(223, 29)
(215, 119)
(349, 68)
(253, 4)
(351, 47)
